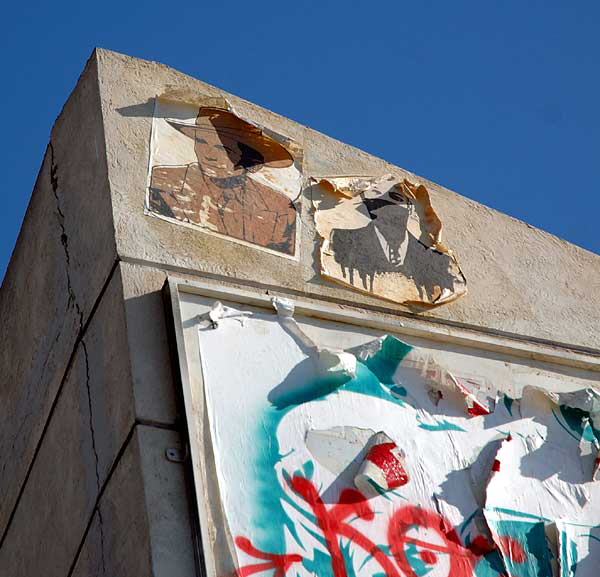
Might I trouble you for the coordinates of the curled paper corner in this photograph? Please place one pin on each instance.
(219, 311)
(584, 404)
(178, 94)
(382, 236)
(285, 312)
(283, 307)
(330, 362)
(475, 406)
(383, 467)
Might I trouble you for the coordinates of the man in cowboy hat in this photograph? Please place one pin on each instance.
(216, 192)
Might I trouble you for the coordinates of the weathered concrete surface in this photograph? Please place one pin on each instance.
(61, 491)
(521, 280)
(153, 385)
(118, 542)
(168, 507)
(109, 377)
(93, 416)
(142, 526)
(61, 261)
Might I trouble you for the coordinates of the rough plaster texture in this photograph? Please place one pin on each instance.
(522, 281)
(60, 494)
(142, 524)
(50, 288)
(118, 541)
(109, 377)
(153, 384)
(93, 416)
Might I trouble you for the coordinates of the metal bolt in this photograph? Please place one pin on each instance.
(175, 455)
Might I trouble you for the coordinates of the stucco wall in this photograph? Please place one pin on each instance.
(89, 398)
(521, 280)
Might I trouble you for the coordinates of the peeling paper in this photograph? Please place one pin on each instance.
(471, 390)
(484, 495)
(381, 236)
(213, 170)
(218, 312)
(382, 468)
(521, 543)
(339, 449)
(329, 363)
(582, 410)
(577, 549)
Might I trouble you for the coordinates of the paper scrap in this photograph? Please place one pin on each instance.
(218, 312)
(382, 469)
(381, 236)
(213, 170)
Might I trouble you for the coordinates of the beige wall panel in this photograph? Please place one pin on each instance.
(118, 542)
(521, 280)
(60, 263)
(153, 385)
(60, 493)
(78, 448)
(167, 503)
(142, 527)
(109, 376)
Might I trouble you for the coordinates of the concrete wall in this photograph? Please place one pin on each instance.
(89, 398)
(522, 281)
(86, 487)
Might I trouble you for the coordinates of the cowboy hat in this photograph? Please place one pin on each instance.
(228, 125)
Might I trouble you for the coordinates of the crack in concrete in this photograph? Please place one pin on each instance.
(94, 448)
(64, 238)
(4, 531)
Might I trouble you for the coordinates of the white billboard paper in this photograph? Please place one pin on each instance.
(484, 484)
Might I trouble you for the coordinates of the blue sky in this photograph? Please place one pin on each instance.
(499, 101)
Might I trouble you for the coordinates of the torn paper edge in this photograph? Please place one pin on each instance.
(351, 186)
(185, 96)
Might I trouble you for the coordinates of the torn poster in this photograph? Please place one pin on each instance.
(454, 492)
(381, 236)
(214, 171)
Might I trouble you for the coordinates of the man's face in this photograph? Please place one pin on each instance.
(217, 151)
(392, 219)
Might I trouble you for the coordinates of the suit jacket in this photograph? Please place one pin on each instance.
(235, 206)
(360, 251)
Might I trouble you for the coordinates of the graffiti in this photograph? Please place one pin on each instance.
(278, 563)
(418, 540)
(332, 525)
(471, 480)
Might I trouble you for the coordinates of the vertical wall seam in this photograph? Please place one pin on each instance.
(94, 447)
(68, 367)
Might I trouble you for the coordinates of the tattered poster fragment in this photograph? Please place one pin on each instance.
(381, 236)
(382, 468)
(577, 544)
(479, 495)
(521, 542)
(215, 171)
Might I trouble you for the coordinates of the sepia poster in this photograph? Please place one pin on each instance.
(220, 174)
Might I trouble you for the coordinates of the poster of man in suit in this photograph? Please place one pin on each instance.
(225, 176)
(382, 237)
